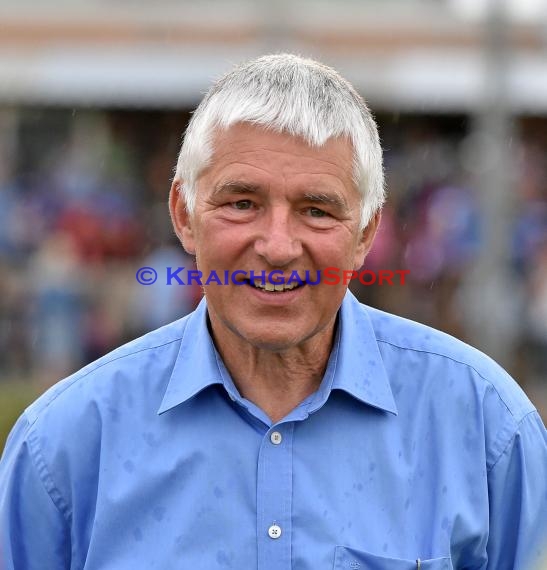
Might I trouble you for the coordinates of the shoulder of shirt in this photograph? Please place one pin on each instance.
(121, 358)
(406, 335)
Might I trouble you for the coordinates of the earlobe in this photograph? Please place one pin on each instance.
(180, 218)
(366, 240)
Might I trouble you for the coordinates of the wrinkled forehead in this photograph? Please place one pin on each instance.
(245, 142)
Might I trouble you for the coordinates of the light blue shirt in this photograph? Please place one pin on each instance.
(415, 446)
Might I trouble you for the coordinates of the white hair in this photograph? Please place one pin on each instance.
(288, 94)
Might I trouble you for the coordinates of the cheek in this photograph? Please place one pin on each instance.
(335, 252)
(216, 251)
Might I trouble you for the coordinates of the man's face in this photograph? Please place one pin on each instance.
(267, 202)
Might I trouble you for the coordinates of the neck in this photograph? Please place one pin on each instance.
(276, 381)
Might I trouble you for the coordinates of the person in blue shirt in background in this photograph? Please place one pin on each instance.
(279, 426)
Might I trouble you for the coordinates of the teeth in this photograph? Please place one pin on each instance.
(271, 287)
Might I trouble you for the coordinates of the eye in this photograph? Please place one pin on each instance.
(242, 205)
(317, 212)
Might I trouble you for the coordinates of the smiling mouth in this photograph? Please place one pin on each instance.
(271, 288)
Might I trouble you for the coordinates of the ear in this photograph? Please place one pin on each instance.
(180, 218)
(366, 240)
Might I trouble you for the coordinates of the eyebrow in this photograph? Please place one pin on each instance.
(235, 187)
(328, 199)
(240, 187)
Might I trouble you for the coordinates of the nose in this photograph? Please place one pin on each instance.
(278, 243)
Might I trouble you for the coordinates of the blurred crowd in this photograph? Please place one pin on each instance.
(83, 206)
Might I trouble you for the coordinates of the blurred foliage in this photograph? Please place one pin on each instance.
(14, 398)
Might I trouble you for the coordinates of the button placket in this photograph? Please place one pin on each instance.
(274, 499)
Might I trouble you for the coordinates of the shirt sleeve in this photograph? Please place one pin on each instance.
(518, 500)
(34, 532)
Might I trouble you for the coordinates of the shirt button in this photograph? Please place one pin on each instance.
(274, 531)
(276, 438)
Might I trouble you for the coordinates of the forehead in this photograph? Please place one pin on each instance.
(256, 151)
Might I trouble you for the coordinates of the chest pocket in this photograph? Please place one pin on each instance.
(346, 558)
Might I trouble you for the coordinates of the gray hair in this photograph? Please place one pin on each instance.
(288, 94)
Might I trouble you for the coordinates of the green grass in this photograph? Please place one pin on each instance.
(14, 398)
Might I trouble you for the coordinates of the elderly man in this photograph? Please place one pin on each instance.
(278, 427)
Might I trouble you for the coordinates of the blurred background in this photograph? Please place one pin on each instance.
(95, 96)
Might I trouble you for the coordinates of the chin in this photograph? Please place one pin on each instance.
(273, 344)
(276, 338)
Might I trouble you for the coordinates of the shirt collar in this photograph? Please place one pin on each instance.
(195, 367)
(360, 370)
(358, 366)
